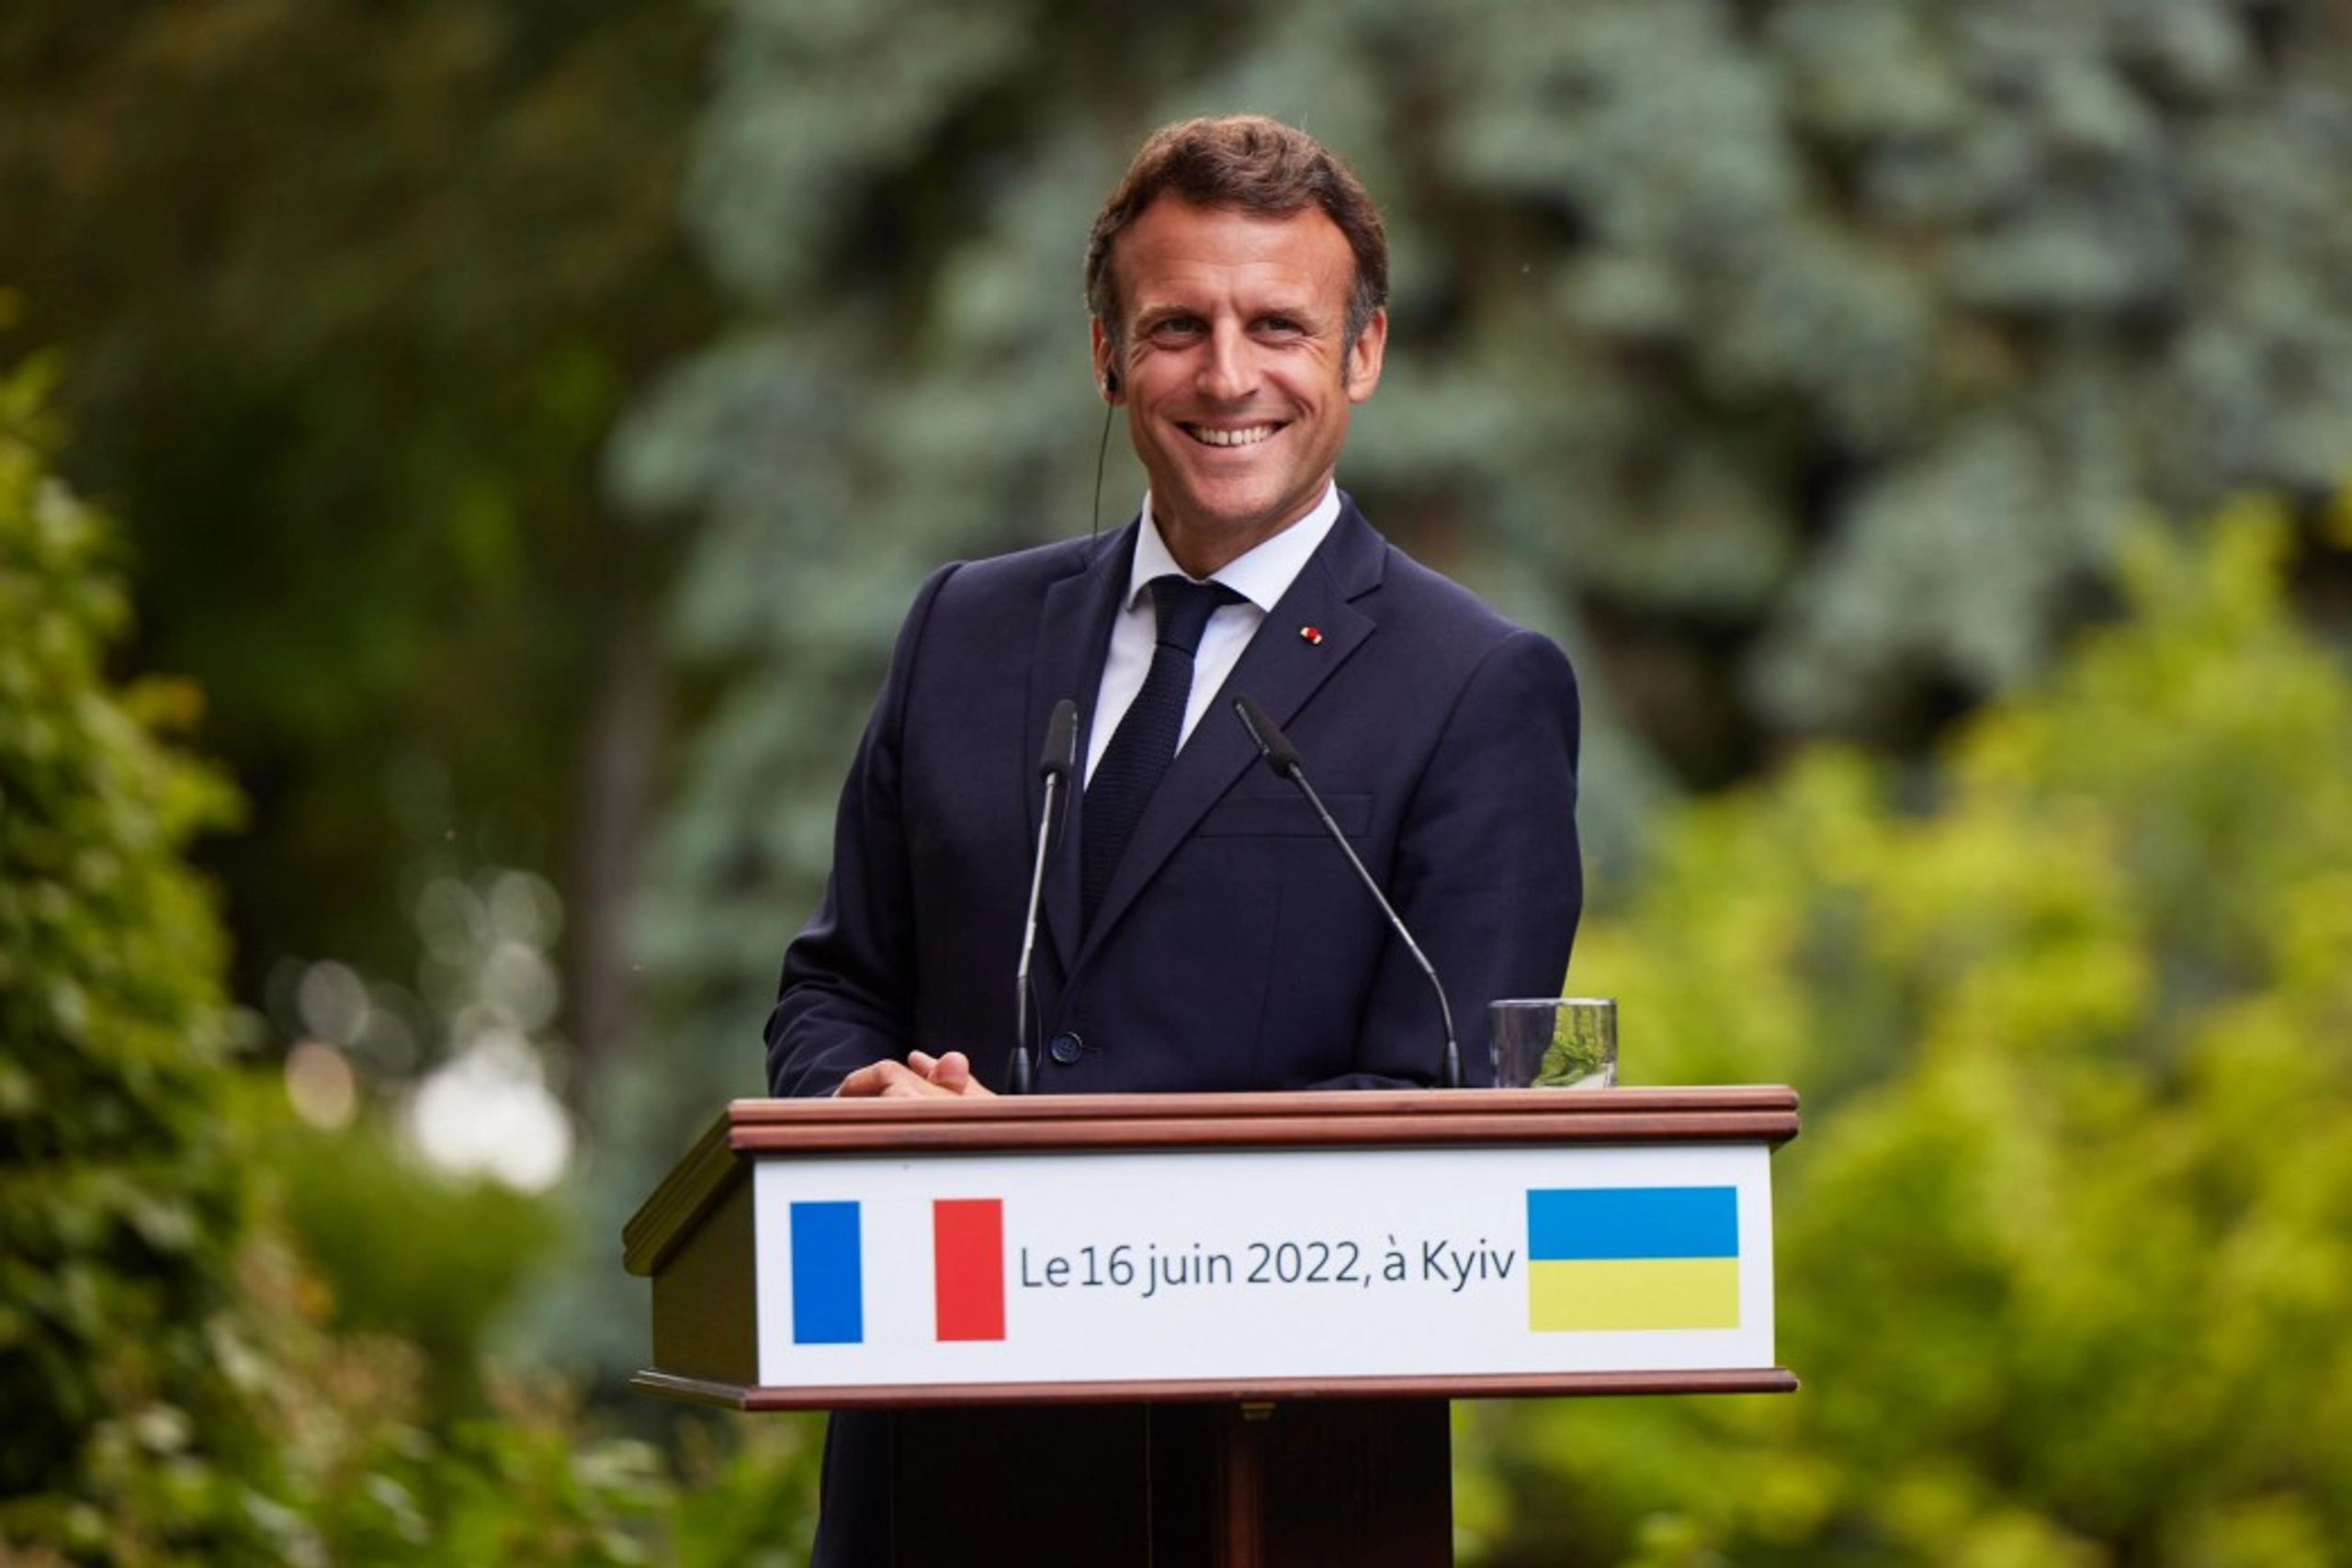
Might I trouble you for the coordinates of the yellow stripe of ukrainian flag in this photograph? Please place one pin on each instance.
(1591, 1295)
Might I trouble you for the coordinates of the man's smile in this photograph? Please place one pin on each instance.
(1249, 436)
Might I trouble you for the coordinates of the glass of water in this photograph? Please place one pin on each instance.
(1555, 1042)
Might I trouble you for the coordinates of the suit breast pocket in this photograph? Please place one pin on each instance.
(1284, 816)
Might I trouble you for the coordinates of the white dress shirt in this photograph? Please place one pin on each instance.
(1261, 577)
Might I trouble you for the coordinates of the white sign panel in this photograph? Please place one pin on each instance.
(1287, 1264)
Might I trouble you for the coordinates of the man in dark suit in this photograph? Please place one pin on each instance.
(1198, 933)
(1238, 279)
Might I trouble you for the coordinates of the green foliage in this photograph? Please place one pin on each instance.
(2062, 1252)
(120, 1199)
(372, 1467)
(373, 1474)
(410, 1252)
(225, 1339)
(347, 298)
(525, 1491)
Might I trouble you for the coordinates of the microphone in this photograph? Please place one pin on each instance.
(1283, 757)
(1056, 765)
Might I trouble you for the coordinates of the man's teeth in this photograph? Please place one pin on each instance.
(1249, 437)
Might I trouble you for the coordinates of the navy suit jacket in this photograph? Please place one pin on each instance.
(1235, 948)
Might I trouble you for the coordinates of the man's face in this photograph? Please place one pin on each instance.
(1235, 368)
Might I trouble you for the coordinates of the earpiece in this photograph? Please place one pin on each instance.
(1111, 381)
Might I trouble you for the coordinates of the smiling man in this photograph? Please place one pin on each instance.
(1197, 929)
(1229, 336)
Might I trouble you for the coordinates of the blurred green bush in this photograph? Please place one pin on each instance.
(121, 1197)
(2061, 1254)
(226, 1338)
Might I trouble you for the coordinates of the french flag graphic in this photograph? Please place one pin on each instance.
(828, 1270)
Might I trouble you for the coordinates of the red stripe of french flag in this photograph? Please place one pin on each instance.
(967, 1267)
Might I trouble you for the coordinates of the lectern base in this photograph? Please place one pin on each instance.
(1302, 1484)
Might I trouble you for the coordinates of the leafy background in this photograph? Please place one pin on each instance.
(460, 468)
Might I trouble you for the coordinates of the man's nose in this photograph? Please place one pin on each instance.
(1229, 367)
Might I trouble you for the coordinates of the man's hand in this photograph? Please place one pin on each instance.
(920, 1076)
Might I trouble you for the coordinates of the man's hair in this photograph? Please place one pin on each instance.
(1252, 164)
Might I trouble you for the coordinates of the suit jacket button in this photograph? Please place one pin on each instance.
(1065, 1048)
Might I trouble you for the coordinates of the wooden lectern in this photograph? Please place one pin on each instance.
(1217, 1329)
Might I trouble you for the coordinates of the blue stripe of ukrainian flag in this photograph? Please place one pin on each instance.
(1632, 1258)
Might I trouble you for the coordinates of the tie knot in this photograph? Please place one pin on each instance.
(1183, 608)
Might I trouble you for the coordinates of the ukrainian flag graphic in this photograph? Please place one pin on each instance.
(1606, 1258)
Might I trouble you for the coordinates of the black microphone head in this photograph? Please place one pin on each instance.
(1267, 736)
(1059, 759)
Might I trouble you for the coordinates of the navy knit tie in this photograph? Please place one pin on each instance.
(1145, 741)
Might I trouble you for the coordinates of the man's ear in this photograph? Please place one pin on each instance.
(1106, 371)
(1364, 355)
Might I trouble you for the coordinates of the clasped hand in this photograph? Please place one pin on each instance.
(920, 1076)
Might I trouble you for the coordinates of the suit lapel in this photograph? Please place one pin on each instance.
(1073, 632)
(1305, 639)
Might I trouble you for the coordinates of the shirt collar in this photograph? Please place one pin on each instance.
(1262, 575)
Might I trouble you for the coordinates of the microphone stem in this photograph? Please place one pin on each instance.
(1018, 1076)
(1450, 1072)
